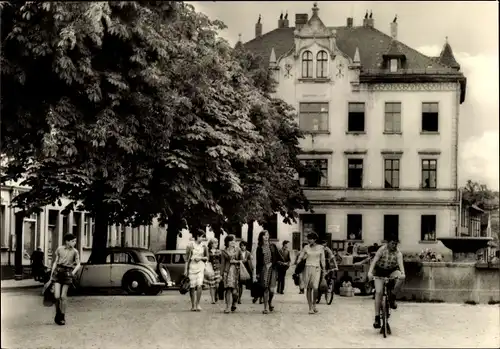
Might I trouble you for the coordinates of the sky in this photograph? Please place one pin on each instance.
(472, 31)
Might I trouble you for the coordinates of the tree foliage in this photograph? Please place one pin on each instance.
(134, 110)
(476, 193)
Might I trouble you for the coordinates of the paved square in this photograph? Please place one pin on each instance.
(165, 322)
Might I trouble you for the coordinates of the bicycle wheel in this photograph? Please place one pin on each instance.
(330, 292)
(385, 309)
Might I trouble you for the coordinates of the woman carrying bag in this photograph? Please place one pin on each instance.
(230, 268)
(197, 255)
(267, 258)
(212, 270)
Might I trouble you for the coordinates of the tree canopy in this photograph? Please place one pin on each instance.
(135, 110)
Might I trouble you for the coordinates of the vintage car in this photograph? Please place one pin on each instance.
(173, 261)
(131, 269)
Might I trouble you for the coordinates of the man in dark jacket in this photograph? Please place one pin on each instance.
(283, 265)
(37, 266)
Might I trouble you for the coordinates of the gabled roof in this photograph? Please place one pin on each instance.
(372, 44)
(394, 50)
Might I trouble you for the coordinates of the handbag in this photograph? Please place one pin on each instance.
(209, 271)
(323, 286)
(221, 290)
(257, 290)
(48, 294)
(244, 275)
(300, 267)
(184, 286)
(296, 279)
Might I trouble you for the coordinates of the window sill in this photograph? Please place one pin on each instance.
(316, 132)
(393, 133)
(429, 189)
(430, 133)
(428, 242)
(315, 80)
(389, 189)
(355, 133)
(314, 188)
(354, 188)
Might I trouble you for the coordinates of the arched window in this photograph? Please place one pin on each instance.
(321, 64)
(307, 64)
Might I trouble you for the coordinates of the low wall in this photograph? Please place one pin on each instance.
(451, 282)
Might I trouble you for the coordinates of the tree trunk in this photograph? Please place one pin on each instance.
(250, 235)
(217, 229)
(100, 238)
(18, 256)
(173, 229)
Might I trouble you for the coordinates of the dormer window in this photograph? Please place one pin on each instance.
(394, 65)
(321, 64)
(307, 64)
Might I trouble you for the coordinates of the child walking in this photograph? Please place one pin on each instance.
(66, 265)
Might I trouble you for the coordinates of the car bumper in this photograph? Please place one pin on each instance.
(157, 284)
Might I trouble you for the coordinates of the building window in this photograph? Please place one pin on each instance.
(354, 227)
(314, 173)
(394, 65)
(307, 64)
(391, 226)
(429, 174)
(3, 228)
(88, 231)
(356, 117)
(355, 173)
(430, 117)
(391, 173)
(313, 117)
(428, 227)
(392, 117)
(321, 64)
(313, 223)
(29, 235)
(271, 225)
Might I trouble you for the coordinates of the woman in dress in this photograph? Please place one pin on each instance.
(66, 265)
(197, 255)
(247, 262)
(314, 255)
(214, 258)
(230, 268)
(266, 268)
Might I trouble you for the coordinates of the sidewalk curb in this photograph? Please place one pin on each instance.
(9, 288)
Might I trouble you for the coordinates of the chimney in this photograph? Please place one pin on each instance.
(280, 21)
(258, 28)
(368, 20)
(350, 21)
(286, 23)
(301, 20)
(394, 28)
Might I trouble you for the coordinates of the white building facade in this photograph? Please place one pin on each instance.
(380, 122)
(47, 228)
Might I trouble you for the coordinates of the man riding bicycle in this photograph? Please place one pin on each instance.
(388, 262)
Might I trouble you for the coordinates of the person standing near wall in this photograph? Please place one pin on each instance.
(283, 265)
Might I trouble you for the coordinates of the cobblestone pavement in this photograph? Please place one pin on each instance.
(165, 322)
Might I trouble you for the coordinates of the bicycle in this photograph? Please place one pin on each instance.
(384, 312)
(330, 291)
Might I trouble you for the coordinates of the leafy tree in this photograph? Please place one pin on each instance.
(129, 109)
(475, 193)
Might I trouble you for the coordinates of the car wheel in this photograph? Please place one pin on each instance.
(134, 283)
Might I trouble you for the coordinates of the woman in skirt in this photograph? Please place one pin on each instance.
(66, 265)
(266, 274)
(230, 268)
(314, 255)
(247, 262)
(214, 257)
(197, 255)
